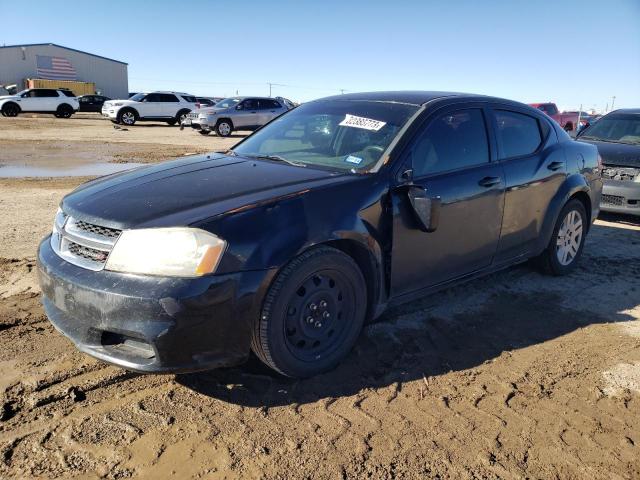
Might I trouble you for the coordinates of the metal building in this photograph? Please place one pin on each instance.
(55, 62)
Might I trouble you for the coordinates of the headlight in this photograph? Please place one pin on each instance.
(59, 221)
(175, 252)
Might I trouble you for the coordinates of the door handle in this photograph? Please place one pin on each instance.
(555, 165)
(489, 181)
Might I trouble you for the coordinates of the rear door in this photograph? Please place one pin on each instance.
(534, 167)
(269, 109)
(169, 105)
(453, 159)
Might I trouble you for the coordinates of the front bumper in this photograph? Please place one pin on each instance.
(152, 324)
(620, 196)
(109, 112)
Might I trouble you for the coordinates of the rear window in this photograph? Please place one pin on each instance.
(267, 104)
(518, 134)
(189, 98)
(68, 93)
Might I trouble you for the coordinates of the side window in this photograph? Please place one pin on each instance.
(250, 104)
(518, 134)
(152, 97)
(453, 140)
(167, 98)
(267, 104)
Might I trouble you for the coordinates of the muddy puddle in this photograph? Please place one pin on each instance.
(83, 170)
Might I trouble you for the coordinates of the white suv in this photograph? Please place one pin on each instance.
(170, 107)
(62, 103)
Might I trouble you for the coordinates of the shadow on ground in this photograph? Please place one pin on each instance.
(409, 343)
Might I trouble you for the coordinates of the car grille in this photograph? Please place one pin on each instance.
(612, 200)
(81, 243)
(620, 173)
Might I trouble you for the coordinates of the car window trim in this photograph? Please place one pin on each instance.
(522, 111)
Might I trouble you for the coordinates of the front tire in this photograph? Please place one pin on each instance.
(567, 242)
(312, 314)
(224, 128)
(127, 117)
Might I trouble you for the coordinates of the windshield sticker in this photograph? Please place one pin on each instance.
(353, 159)
(362, 122)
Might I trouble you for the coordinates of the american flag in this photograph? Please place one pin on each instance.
(55, 68)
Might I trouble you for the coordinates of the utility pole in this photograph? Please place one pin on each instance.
(342, 90)
(613, 100)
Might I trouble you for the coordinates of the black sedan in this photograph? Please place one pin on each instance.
(289, 242)
(92, 103)
(617, 136)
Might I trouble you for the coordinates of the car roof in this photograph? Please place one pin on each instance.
(626, 110)
(414, 97)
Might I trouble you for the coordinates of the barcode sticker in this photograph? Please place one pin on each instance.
(362, 122)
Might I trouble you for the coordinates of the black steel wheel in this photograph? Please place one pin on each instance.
(64, 111)
(312, 314)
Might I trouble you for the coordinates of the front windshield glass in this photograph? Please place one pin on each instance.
(227, 103)
(138, 97)
(339, 134)
(21, 92)
(619, 128)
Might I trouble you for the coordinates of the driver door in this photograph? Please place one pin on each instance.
(28, 101)
(246, 115)
(150, 106)
(453, 161)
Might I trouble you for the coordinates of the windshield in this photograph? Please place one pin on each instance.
(619, 128)
(227, 102)
(342, 135)
(21, 92)
(138, 97)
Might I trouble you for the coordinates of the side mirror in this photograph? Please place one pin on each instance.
(425, 208)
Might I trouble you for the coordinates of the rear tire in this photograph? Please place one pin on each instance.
(64, 111)
(312, 314)
(567, 241)
(224, 128)
(10, 110)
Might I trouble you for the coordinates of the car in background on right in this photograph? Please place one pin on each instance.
(569, 121)
(617, 136)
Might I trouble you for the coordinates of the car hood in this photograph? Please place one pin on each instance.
(185, 191)
(8, 97)
(619, 154)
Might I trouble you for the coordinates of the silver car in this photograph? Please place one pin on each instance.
(237, 113)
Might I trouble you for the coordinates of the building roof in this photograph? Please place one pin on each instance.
(61, 46)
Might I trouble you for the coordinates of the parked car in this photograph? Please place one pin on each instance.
(61, 103)
(289, 242)
(567, 120)
(169, 107)
(236, 113)
(92, 103)
(617, 136)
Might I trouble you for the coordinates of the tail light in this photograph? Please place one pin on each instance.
(197, 105)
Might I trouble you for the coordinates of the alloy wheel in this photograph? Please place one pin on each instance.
(128, 118)
(570, 237)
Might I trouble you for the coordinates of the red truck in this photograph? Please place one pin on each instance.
(567, 120)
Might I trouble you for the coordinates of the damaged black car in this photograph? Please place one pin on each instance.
(287, 244)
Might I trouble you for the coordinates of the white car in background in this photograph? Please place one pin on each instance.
(169, 107)
(61, 103)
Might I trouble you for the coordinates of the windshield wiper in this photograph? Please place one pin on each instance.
(277, 158)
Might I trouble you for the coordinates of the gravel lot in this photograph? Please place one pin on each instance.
(516, 375)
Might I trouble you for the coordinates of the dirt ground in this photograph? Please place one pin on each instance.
(517, 375)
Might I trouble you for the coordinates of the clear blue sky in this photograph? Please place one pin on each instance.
(570, 52)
